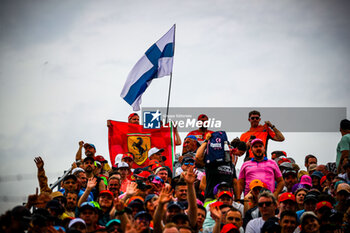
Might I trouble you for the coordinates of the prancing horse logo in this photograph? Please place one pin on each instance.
(139, 144)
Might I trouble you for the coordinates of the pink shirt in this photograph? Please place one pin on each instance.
(267, 171)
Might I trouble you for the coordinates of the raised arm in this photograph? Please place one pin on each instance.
(89, 187)
(190, 178)
(78, 156)
(42, 178)
(165, 196)
(201, 149)
(280, 185)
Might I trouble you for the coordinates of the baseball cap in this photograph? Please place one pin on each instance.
(152, 162)
(307, 214)
(100, 158)
(87, 205)
(136, 203)
(224, 193)
(122, 165)
(89, 145)
(106, 192)
(89, 158)
(143, 214)
(73, 177)
(286, 165)
(77, 169)
(219, 186)
(228, 227)
(256, 183)
(175, 204)
(287, 196)
(132, 115)
(305, 179)
(343, 187)
(322, 204)
(143, 174)
(318, 174)
(153, 151)
(155, 166)
(76, 220)
(201, 116)
(150, 197)
(256, 140)
(160, 169)
(297, 186)
(128, 155)
(282, 160)
(312, 167)
(112, 222)
(323, 179)
(289, 171)
(56, 194)
(310, 197)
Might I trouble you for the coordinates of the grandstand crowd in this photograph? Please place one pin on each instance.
(201, 193)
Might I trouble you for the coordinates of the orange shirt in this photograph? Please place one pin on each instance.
(262, 131)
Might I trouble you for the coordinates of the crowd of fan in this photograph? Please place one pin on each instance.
(196, 196)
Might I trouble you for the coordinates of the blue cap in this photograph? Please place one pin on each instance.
(192, 137)
(317, 174)
(113, 221)
(143, 213)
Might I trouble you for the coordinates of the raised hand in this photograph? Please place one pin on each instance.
(165, 195)
(92, 182)
(39, 162)
(118, 204)
(131, 189)
(189, 176)
(81, 143)
(215, 212)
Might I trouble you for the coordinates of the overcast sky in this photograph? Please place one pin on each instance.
(63, 65)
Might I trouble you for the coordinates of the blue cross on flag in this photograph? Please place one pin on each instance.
(157, 62)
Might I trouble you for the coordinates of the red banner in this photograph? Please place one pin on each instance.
(124, 137)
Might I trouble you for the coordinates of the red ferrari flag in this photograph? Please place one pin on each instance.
(124, 137)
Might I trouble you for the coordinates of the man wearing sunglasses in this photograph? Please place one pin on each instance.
(267, 205)
(264, 132)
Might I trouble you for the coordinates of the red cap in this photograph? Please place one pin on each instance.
(282, 160)
(143, 174)
(155, 166)
(323, 179)
(128, 155)
(132, 115)
(224, 193)
(152, 162)
(201, 116)
(287, 196)
(323, 204)
(228, 227)
(106, 192)
(100, 158)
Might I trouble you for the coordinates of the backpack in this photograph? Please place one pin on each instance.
(217, 148)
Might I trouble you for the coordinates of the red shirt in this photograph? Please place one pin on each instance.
(262, 131)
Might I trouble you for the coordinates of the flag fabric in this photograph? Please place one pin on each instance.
(124, 137)
(157, 62)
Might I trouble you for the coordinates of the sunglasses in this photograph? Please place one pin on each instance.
(267, 204)
(255, 118)
(189, 164)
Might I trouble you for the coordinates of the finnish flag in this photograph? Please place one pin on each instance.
(157, 62)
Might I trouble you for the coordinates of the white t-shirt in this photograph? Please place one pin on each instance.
(254, 225)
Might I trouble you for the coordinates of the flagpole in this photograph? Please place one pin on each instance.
(171, 77)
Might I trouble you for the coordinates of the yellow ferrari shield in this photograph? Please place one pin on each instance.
(139, 145)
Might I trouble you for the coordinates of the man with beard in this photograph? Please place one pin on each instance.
(72, 199)
(290, 178)
(260, 168)
(263, 132)
(89, 167)
(201, 133)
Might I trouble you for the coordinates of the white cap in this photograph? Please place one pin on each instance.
(77, 169)
(153, 151)
(74, 221)
(118, 158)
(123, 164)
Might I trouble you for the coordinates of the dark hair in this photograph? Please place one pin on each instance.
(240, 145)
(308, 157)
(202, 208)
(345, 124)
(233, 209)
(254, 112)
(289, 213)
(180, 183)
